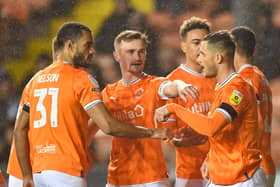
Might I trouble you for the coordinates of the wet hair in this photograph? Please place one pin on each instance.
(221, 41)
(69, 31)
(130, 35)
(245, 40)
(194, 23)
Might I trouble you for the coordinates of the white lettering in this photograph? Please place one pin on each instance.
(129, 114)
(46, 149)
(48, 78)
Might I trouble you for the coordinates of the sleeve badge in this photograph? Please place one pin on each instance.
(235, 98)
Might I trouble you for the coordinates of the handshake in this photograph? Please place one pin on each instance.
(182, 137)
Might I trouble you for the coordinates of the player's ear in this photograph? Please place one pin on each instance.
(69, 45)
(183, 46)
(116, 56)
(219, 58)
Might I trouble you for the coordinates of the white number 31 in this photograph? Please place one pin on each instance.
(42, 93)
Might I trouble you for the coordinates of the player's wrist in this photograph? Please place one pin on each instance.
(180, 84)
(170, 107)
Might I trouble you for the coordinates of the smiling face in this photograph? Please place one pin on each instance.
(206, 59)
(131, 55)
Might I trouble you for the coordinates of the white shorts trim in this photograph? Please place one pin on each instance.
(179, 182)
(51, 178)
(162, 183)
(257, 180)
(14, 181)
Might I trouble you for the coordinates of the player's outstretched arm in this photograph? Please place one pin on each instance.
(22, 148)
(114, 127)
(178, 88)
(213, 123)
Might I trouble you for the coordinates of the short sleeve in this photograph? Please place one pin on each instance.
(87, 90)
(159, 85)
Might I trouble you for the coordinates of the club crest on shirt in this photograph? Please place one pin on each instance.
(93, 81)
(139, 93)
(235, 97)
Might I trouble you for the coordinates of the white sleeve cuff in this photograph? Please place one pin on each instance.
(91, 104)
(161, 88)
(225, 113)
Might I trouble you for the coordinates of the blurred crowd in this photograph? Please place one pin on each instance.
(21, 20)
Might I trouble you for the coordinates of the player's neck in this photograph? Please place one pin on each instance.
(130, 78)
(66, 58)
(239, 61)
(194, 66)
(224, 73)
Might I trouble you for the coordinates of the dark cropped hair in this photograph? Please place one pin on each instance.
(194, 23)
(221, 41)
(129, 35)
(245, 40)
(69, 31)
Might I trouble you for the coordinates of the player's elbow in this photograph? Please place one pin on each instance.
(109, 128)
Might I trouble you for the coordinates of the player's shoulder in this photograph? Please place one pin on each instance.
(150, 79)
(175, 73)
(241, 86)
(233, 82)
(111, 87)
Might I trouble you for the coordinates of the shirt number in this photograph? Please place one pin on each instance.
(42, 94)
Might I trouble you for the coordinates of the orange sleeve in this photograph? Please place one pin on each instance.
(87, 90)
(212, 124)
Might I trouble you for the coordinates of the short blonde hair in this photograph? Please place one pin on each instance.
(129, 35)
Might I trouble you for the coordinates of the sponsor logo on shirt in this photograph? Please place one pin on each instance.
(46, 149)
(128, 115)
(236, 97)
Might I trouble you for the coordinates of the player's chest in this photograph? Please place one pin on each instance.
(130, 97)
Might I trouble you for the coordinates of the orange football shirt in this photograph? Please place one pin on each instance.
(59, 96)
(257, 79)
(234, 153)
(190, 159)
(135, 161)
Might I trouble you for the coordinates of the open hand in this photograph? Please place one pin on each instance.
(188, 91)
